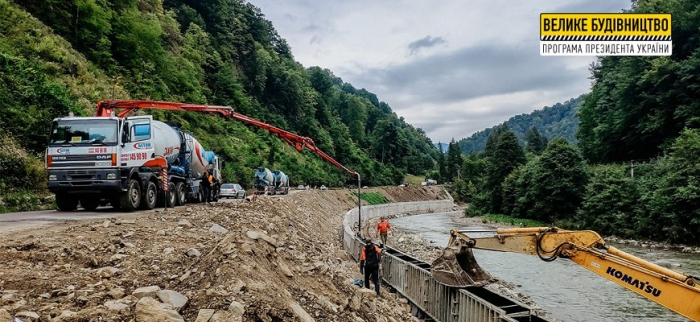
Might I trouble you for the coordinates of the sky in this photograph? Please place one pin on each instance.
(450, 67)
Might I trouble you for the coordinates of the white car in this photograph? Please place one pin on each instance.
(232, 190)
(323, 187)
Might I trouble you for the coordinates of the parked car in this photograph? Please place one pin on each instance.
(301, 187)
(232, 190)
(323, 187)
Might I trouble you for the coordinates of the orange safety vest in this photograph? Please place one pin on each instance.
(383, 226)
(211, 179)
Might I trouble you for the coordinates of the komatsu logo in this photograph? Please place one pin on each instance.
(63, 151)
(142, 145)
(644, 286)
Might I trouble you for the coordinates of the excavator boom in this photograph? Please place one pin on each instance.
(110, 107)
(676, 291)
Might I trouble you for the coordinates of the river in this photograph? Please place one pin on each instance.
(562, 288)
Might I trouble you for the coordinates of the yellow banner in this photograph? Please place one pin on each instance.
(605, 24)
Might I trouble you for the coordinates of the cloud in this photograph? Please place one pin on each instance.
(426, 42)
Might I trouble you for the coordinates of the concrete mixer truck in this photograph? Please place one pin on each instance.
(280, 183)
(128, 160)
(125, 161)
(263, 182)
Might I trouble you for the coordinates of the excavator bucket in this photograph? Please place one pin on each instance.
(457, 267)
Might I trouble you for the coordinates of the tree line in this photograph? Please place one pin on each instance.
(61, 56)
(634, 172)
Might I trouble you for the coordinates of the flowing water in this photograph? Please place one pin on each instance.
(562, 288)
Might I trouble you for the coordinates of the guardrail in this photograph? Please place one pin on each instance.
(412, 279)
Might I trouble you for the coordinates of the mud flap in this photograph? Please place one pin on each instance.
(457, 267)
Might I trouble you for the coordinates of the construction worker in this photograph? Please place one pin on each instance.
(383, 228)
(370, 257)
(206, 187)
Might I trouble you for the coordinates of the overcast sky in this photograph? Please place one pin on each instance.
(451, 67)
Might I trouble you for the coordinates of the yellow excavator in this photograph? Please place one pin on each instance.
(457, 266)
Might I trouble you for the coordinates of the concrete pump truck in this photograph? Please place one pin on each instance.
(134, 161)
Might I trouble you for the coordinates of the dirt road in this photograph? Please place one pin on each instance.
(276, 259)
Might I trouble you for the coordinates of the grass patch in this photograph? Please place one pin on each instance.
(414, 180)
(491, 218)
(25, 201)
(373, 198)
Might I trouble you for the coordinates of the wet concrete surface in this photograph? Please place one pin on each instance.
(562, 288)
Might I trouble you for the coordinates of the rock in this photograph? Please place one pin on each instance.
(403, 301)
(204, 315)
(185, 223)
(5, 316)
(285, 269)
(365, 292)
(301, 313)
(116, 293)
(45, 296)
(168, 250)
(236, 308)
(117, 257)
(218, 229)
(342, 255)
(147, 291)
(65, 316)
(193, 252)
(107, 271)
(126, 222)
(175, 299)
(27, 316)
(224, 316)
(252, 235)
(149, 309)
(106, 223)
(117, 307)
(160, 232)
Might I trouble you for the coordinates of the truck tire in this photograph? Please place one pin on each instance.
(180, 193)
(66, 202)
(131, 198)
(149, 197)
(172, 195)
(90, 203)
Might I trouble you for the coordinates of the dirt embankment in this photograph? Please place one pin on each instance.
(275, 259)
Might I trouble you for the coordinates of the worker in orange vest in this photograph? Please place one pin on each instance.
(370, 258)
(383, 228)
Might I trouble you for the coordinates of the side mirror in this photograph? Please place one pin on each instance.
(125, 133)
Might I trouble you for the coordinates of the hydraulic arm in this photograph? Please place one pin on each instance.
(676, 291)
(109, 107)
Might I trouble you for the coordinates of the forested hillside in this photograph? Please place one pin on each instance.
(635, 172)
(61, 56)
(558, 120)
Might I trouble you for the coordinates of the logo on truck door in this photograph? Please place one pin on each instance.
(142, 145)
(63, 151)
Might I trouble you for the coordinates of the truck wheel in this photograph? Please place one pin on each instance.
(150, 196)
(180, 193)
(90, 203)
(66, 202)
(131, 199)
(172, 195)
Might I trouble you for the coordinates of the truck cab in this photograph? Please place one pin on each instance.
(94, 158)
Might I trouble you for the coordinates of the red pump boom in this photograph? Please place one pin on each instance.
(109, 107)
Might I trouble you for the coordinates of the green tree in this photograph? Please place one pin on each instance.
(534, 142)
(558, 183)
(610, 203)
(503, 156)
(673, 200)
(454, 162)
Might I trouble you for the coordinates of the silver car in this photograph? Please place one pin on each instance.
(232, 190)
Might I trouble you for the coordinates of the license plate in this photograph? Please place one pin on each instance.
(103, 164)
